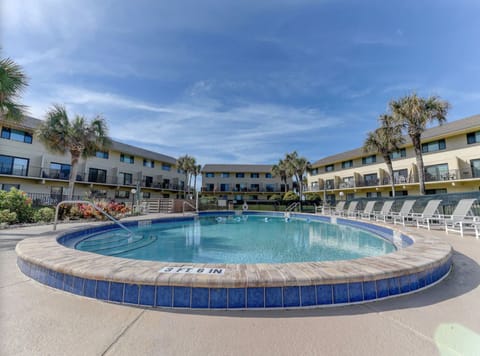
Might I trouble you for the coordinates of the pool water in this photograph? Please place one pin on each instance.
(239, 239)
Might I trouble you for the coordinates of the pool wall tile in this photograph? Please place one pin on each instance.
(68, 283)
(340, 293)
(147, 295)
(58, 280)
(355, 292)
(382, 288)
(218, 298)
(369, 290)
(116, 292)
(131, 293)
(324, 294)
(237, 298)
(273, 297)
(404, 284)
(291, 296)
(102, 290)
(164, 296)
(413, 282)
(78, 285)
(393, 286)
(255, 297)
(308, 296)
(89, 289)
(181, 297)
(200, 297)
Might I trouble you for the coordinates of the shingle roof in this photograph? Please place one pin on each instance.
(458, 126)
(250, 168)
(33, 123)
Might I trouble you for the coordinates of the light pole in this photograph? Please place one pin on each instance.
(341, 195)
(133, 191)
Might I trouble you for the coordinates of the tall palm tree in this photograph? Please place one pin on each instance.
(79, 137)
(13, 82)
(187, 164)
(298, 167)
(414, 113)
(196, 172)
(280, 170)
(385, 140)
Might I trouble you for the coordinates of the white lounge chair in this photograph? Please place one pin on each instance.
(384, 212)
(476, 226)
(403, 214)
(430, 210)
(339, 208)
(461, 217)
(367, 211)
(351, 211)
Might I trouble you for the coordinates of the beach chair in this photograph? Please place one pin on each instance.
(430, 210)
(351, 211)
(476, 226)
(461, 217)
(339, 208)
(403, 214)
(384, 212)
(368, 211)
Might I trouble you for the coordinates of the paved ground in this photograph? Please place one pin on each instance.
(38, 320)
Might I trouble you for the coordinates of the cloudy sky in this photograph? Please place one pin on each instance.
(243, 81)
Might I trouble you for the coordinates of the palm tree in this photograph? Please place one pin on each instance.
(187, 164)
(12, 83)
(298, 167)
(280, 170)
(196, 172)
(385, 140)
(79, 137)
(414, 114)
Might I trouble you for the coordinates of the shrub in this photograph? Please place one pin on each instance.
(313, 196)
(6, 216)
(275, 197)
(16, 201)
(44, 215)
(289, 196)
(117, 210)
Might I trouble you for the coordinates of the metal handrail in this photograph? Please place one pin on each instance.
(292, 206)
(186, 202)
(94, 206)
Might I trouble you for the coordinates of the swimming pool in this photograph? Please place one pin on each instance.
(421, 260)
(239, 239)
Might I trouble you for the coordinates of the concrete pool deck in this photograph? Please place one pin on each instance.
(36, 319)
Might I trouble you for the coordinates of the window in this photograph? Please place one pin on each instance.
(13, 165)
(7, 187)
(436, 172)
(210, 175)
(434, 146)
(347, 164)
(475, 165)
(149, 181)
(401, 153)
(126, 178)
(314, 172)
(166, 167)
(254, 175)
(97, 175)
(269, 187)
(123, 194)
(16, 135)
(101, 154)
(399, 193)
(209, 187)
(148, 163)
(473, 137)
(374, 194)
(329, 168)
(370, 179)
(126, 158)
(400, 176)
(435, 191)
(146, 195)
(239, 175)
(254, 187)
(225, 175)
(329, 184)
(59, 170)
(369, 160)
(268, 175)
(99, 194)
(348, 182)
(224, 187)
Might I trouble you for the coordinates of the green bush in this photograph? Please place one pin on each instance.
(313, 196)
(275, 197)
(44, 215)
(16, 201)
(6, 216)
(290, 196)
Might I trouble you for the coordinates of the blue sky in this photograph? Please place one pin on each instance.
(243, 81)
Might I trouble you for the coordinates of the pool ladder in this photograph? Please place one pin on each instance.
(64, 202)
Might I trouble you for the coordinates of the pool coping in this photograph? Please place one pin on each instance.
(412, 268)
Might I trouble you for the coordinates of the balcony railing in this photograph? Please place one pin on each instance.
(243, 190)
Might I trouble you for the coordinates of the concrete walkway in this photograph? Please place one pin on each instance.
(38, 320)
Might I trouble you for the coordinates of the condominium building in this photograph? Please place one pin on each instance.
(451, 155)
(116, 173)
(241, 182)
